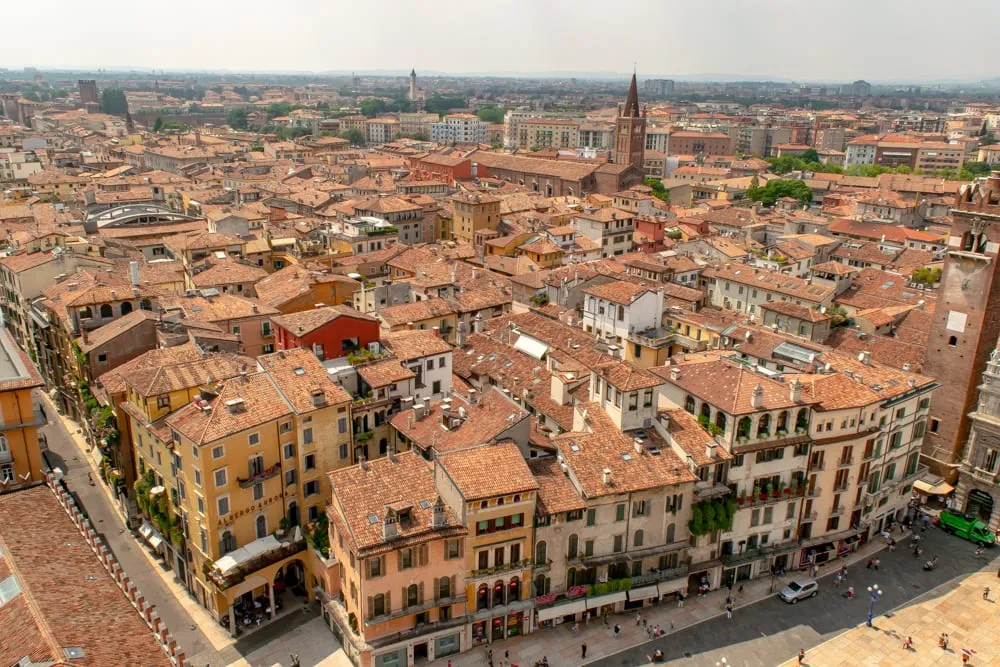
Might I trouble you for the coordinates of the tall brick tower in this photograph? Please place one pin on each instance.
(966, 322)
(630, 130)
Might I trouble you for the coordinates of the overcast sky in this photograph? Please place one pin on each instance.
(839, 40)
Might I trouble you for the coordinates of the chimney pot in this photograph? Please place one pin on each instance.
(606, 474)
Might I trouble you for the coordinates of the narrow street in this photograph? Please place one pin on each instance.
(770, 632)
(64, 453)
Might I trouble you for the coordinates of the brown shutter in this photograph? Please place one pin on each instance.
(423, 554)
(388, 603)
(371, 607)
(454, 583)
(399, 559)
(382, 560)
(437, 589)
(404, 598)
(420, 592)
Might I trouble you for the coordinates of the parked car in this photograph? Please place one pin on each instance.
(799, 590)
(966, 527)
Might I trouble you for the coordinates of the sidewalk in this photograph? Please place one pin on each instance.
(955, 608)
(213, 632)
(561, 647)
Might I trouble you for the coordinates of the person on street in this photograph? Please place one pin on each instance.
(876, 564)
(943, 640)
(986, 593)
(802, 655)
(638, 620)
(618, 631)
(850, 592)
(583, 650)
(729, 611)
(680, 597)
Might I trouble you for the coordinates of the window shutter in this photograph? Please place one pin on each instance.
(399, 560)
(423, 554)
(404, 598)
(367, 570)
(420, 592)
(371, 607)
(454, 583)
(649, 508)
(437, 589)
(382, 562)
(388, 603)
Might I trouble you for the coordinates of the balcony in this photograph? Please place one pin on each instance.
(237, 565)
(841, 487)
(656, 576)
(266, 473)
(815, 492)
(759, 552)
(506, 567)
(417, 630)
(810, 516)
(818, 466)
(978, 474)
(845, 463)
(837, 511)
(709, 489)
(426, 605)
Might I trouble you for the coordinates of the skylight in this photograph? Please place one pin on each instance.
(9, 589)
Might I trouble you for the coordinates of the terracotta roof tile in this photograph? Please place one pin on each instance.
(489, 470)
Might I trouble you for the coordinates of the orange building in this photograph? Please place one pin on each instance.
(20, 457)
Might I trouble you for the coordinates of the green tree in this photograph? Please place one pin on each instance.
(113, 101)
(977, 168)
(158, 124)
(659, 191)
(926, 275)
(491, 114)
(809, 155)
(355, 136)
(242, 91)
(276, 109)
(237, 119)
(777, 189)
(439, 104)
(372, 108)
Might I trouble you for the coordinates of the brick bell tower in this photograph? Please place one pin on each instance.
(966, 323)
(630, 130)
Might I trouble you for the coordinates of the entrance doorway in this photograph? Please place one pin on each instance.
(420, 652)
(980, 505)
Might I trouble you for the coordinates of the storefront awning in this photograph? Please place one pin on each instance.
(672, 586)
(930, 489)
(146, 529)
(643, 593)
(601, 600)
(560, 610)
(234, 559)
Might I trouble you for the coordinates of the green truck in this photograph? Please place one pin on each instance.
(966, 527)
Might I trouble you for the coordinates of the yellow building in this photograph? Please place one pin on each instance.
(231, 465)
(20, 457)
(399, 597)
(494, 492)
(542, 252)
(474, 213)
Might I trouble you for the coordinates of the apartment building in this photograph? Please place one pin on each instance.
(700, 143)
(860, 151)
(615, 310)
(381, 130)
(548, 133)
(460, 128)
(474, 214)
(492, 491)
(609, 227)
(934, 156)
(400, 594)
(20, 456)
(417, 123)
(429, 358)
(977, 478)
(745, 289)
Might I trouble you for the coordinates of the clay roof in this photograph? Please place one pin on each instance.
(19, 371)
(113, 381)
(556, 494)
(793, 310)
(625, 377)
(162, 379)
(685, 430)
(486, 421)
(67, 599)
(415, 344)
(307, 321)
(418, 311)
(298, 374)
(217, 308)
(384, 373)
(618, 291)
(486, 471)
(112, 330)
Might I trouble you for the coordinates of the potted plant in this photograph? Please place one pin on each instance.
(764, 492)
(741, 499)
(776, 491)
(788, 490)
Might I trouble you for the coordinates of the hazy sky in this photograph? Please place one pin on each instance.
(838, 40)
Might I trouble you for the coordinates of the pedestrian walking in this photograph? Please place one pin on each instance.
(967, 654)
(680, 597)
(605, 617)
(876, 564)
(836, 580)
(892, 544)
(986, 593)
(489, 656)
(979, 552)
(638, 620)
(506, 657)
(815, 570)
(850, 592)
(802, 655)
(871, 563)
(943, 640)
(576, 629)
(908, 643)
(729, 611)
(618, 631)
(583, 650)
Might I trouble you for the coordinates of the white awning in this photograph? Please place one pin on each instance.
(930, 489)
(672, 586)
(234, 559)
(601, 600)
(531, 346)
(561, 610)
(155, 540)
(146, 529)
(643, 593)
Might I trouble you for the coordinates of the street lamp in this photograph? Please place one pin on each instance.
(874, 593)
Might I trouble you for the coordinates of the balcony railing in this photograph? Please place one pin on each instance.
(844, 463)
(243, 570)
(978, 473)
(506, 567)
(416, 631)
(837, 511)
(817, 466)
(758, 552)
(842, 486)
(809, 516)
(426, 605)
(815, 492)
(660, 575)
(266, 473)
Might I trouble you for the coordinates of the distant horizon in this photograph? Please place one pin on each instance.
(706, 77)
(792, 41)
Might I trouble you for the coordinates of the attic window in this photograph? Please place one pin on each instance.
(575, 447)
(373, 519)
(424, 504)
(626, 457)
(300, 371)
(9, 589)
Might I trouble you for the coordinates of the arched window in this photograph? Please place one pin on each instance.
(637, 539)
(261, 524)
(573, 545)
(483, 597)
(146, 304)
(293, 514)
(802, 419)
(378, 605)
(689, 404)
(783, 421)
(571, 578)
(125, 308)
(973, 242)
(743, 428)
(514, 590)
(106, 310)
(444, 587)
(499, 595)
(706, 411)
(542, 585)
(764, 425)
(548, 189)
(670, 533)
(86, 313)
(412, 595)
(720, 419)
(228, 543)
(541, 553)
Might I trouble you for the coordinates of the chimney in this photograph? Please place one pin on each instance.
(362, 462)
(606, 476)
(637, 445)
(440, 517)
(389, 527)
(710, 448)
(757, 397)
(390, 453)
(866, 358)
(795, 391)
(133, 272)
(437, 331)
(675, 374)
(318, 398)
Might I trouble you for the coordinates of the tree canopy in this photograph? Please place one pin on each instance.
(438, 104)
(810, 155)
(659, 191)
(237, 119)
(491, 114)
(777, 189)
(275, 109)
(113, 101)
(355, 136)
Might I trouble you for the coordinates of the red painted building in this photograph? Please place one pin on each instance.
(330, 332)
(653, 229)
(448, 168)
